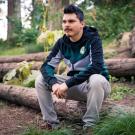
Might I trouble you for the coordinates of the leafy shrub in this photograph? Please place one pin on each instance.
(30, 81)
(18, 75)
(28, 36)
(112, 20)
(49, 38)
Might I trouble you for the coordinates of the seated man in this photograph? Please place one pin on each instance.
(87, 79)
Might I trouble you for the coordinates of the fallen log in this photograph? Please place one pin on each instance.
(121, 67)
(117, 67)
(27, 97)
(5, 67)
(69, 109)
(27, 57)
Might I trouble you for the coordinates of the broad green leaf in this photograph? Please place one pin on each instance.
(10, 75)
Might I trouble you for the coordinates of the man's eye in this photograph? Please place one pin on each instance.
(64, 21)
(71, 21)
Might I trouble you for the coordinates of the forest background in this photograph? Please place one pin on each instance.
(36, 32)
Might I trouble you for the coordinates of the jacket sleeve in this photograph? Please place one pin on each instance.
(48, 67)
(93, 68)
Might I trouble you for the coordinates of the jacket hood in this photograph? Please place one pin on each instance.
(89, 33)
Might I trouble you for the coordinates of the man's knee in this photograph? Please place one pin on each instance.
(97, 80)
(38, 81)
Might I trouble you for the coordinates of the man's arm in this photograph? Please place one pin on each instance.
(48, 67)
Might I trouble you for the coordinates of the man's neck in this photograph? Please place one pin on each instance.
(77, 37)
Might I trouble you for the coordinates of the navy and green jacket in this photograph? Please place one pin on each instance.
(83, 58)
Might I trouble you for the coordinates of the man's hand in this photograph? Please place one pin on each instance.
(60, 90)
(55, 87)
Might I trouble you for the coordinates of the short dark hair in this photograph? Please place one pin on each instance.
(74, 9)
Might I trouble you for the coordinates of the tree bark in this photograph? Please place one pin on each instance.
(28, 57)
(121, 67)
(27, 97)
(132, 42)
(14, 15)
(10, 14)
(54, 15)
(69, 109)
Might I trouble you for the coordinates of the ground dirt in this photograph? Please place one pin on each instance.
(15, 120)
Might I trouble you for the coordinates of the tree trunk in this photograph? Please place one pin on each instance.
(10, 14)
(14, 17)
(27, 57)
(54, 15)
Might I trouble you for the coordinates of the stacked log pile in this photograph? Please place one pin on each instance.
(7, 63)
(67, 108)
(117, 67)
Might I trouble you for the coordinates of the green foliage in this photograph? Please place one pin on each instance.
(119, 125)
(49, 38)
(7, 51)
(17, 25)
(112, 20)
(2, 43)
(16, 30)
(34, 131)
(37, 15)
(119, 92)
(30, 81)
(18, 75)
(19, 50)
(113, 2)
(23, 37)
(28, 36)
(33, 48)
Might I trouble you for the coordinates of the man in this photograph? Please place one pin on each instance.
(87, 79)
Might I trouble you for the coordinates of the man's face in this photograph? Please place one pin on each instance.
(72, 26)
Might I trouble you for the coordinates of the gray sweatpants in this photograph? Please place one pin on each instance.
(93, 91)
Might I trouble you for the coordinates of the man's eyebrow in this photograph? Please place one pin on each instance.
(70, 20)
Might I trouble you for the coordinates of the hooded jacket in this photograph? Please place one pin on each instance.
(83, 58)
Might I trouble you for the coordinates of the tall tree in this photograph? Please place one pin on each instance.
(55, 13)
(14, 17)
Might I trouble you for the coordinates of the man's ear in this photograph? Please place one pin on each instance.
(83, 23)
